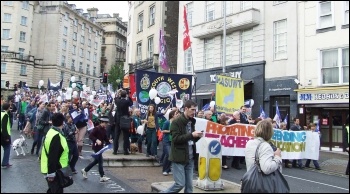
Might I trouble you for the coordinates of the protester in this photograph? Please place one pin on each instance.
(200, 114)
(54, 155)
(223, 120)
(38, 128)
(81, 126)
(69, 131)
(235, 159)
(5, 135)
(296, 127)
(183, 149)
(99, 138)
(151, 120)
(137, 138)
(269, 160)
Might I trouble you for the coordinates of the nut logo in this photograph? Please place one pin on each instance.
(184, 83)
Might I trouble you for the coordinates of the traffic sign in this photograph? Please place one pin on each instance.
(214, 147)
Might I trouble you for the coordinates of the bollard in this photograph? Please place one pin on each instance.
(209, 165)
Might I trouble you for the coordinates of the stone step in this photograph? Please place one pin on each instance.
(121, 160)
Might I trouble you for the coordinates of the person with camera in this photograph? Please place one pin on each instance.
(69, 131)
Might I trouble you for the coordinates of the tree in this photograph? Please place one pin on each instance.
(116, 72)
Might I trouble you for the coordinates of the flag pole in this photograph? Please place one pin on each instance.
(224, 41)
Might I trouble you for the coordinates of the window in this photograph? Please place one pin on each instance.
(208, 53)
(63, 61)
(79, 78)
(96, 33)
(66, 16)
(83, 26)
(22, 36)
(64, 44)
(96, 45)
(139, 52)
(95, 57)
(246, 45)
(74, 49)
(94, 71)
(140, 28)
(72, 66)
(189, 10)
(23, 21)
(21, 51)
(5, 34)
(88, 55)
(89, 42)
(346, 13)
(87, 81)
(152, 11)
(88, 69)
(75, 36)
(150, 47)
(81, 54)
(229, 49)
(65, 30)
(246, 5)
(81, 66)
(25, 4)
(62, 75)
(75, 22)
(229, 8)
(325, 14)
(4, 48)
(23, 70)
(82, 39)
(335, 66)
(188, 60)
(280, 39)
(278, 2)
(91, 29)
(93, 84)
(7, 17)
(210, 11)
(8, 3)
(3, 67)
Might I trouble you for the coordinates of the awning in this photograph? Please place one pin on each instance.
(207, 89)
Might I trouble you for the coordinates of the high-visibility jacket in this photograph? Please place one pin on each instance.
(8, 122)
(44, 158)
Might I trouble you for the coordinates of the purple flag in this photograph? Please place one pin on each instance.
(162, 52)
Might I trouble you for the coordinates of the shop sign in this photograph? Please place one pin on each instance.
(234, 74)
(324, 121)
(313, 97)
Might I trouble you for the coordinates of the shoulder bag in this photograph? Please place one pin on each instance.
(255, 181)
(125, 122)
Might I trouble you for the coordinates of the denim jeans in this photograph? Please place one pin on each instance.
(73, 154)
(314, 161)
(37, 141)
(166, 161)
(21, 122)
(98, 160)
(6, 157)
(183, 177)
(151, 136)
(300, 163)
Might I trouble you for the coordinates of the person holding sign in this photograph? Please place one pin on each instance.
(307, 164)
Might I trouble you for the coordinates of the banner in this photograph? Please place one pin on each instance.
(132, 87)
(233, 138)
(55, 87)
(229, 94)
(107, 147)
(164, 83)
(162, 52)
(90, 125)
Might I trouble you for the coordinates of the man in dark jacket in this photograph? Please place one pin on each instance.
(296, 127)
(123, 103)
(183, 149)
(5, 135)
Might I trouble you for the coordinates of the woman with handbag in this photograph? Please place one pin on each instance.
(151, 120)
(264, 165)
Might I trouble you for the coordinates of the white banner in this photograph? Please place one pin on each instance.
(233, 138)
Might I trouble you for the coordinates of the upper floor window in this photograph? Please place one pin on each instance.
(280, 39)
(83, 26)
(246, 45)
(25, 4)
(335, 66)
(189, 11)
(75, 36)
(188, 60)
(23, 70)
(8, 3)
(23, 21)
(81, 52)
(140, 22)
(82, 40)
(89, 42)
(229, 8)
(5, 34)
(96, 45)
(210, 10)
(4, 48)
(139, 51)
(7, 17)
(74, 49)
(208, 53)
(3, 67)
(88, 55)
(152, 17)
(75, 22)
(63, 61)
(62, 75)
(325, 13)
(66, 16)
(22, 36)
(150, 47)
(64, 44)
(65, 30)
(346, 12)
(246, 5)
(95, 57)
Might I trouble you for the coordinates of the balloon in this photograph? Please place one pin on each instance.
(179, 103)
(91, 97)
(140, 129)
(75, 96)
(87, 89)
(74, 85)
(152, 93)
(212, 104)
(41, 83)
(72, 79)
(26, 85)
(166, 115)
(75, 93)
(157, 100)
(113, 95)
(59, 99)
(84, 87)
(251, 102)
(69, 90)
(93, 93)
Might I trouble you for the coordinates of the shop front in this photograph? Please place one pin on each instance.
(327, 107)
(252, 75)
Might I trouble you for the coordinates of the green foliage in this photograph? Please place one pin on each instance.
(116, 72)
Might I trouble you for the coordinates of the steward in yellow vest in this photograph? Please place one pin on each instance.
(6, 135)
(54, 153)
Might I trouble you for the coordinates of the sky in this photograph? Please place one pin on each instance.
(105, 7)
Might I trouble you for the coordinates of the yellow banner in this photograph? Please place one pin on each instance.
(229, 94)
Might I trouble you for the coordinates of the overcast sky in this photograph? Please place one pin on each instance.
(105, 7)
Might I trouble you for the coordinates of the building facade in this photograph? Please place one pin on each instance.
(113, 51)
(149, 17)
(323, 92)
(64, 42)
